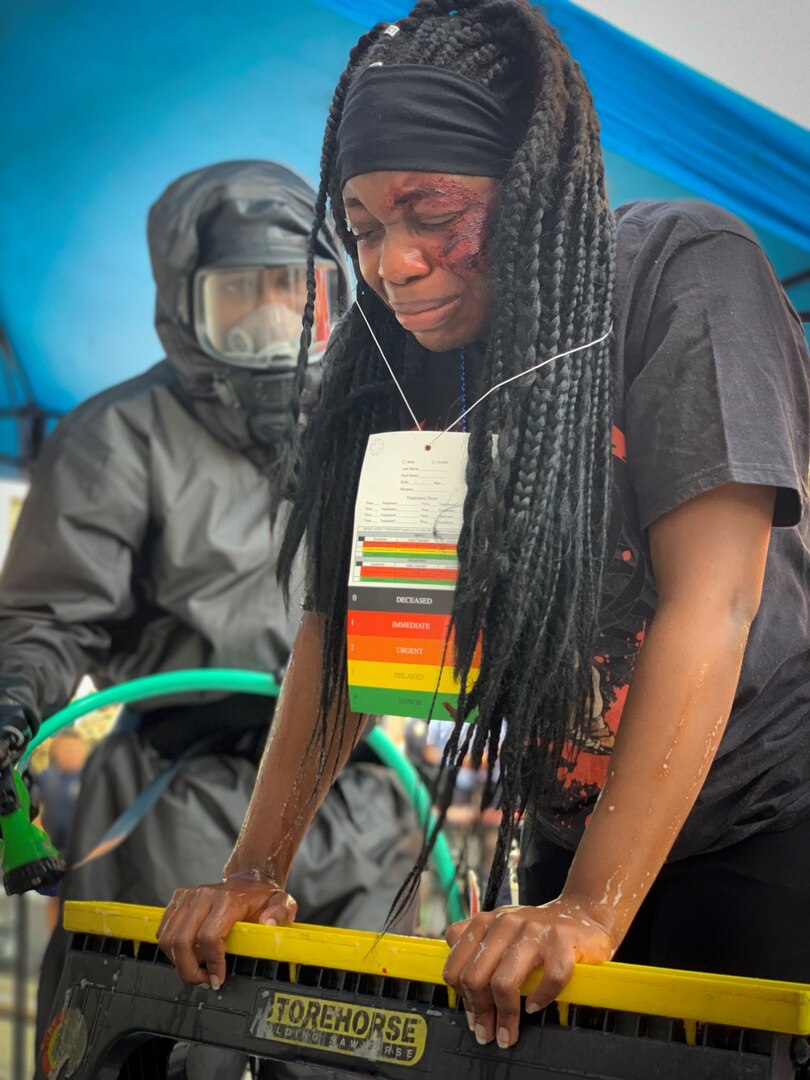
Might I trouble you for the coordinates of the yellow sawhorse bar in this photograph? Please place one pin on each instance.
(377, 1005)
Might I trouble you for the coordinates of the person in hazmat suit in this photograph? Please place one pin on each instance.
(148, 544)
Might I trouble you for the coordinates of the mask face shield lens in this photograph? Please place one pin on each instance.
(327, 307)
(251, 316)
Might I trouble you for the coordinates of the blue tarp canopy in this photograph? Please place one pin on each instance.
(106, 104)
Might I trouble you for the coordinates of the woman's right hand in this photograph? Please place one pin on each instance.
(194, 926)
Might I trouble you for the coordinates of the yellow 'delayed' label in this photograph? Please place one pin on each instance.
(341, 1027)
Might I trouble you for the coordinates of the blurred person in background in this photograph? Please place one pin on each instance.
(58, 790)
(59, 785)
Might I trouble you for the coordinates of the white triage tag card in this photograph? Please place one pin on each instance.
(403, 573)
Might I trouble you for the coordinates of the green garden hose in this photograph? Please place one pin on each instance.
(151, 686)
(255, 682)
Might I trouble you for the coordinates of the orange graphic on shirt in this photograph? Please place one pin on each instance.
(628, 604)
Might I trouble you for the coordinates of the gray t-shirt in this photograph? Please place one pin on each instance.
(711, 387)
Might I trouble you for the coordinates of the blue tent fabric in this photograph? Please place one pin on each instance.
(110, 104)
(673, 120)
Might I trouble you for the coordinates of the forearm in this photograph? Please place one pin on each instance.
(42, 663)
(294, 776)
(708, 556)
(676, 711)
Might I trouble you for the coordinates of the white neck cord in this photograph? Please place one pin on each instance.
(385, 358)
(492, 389)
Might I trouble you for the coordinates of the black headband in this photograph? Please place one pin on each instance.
(423, 119)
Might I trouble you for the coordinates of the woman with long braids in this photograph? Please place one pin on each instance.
(634, 395)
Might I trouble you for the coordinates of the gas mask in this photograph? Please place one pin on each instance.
(264, 338)
(250, 317)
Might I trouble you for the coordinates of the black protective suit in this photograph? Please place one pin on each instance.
(148, 543)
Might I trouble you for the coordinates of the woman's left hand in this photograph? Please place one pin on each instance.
(493, 953)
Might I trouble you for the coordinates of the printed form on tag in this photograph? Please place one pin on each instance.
(402, 581)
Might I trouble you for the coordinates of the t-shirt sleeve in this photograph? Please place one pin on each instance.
(722, 392)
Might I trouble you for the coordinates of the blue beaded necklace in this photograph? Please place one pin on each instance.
(463, 395)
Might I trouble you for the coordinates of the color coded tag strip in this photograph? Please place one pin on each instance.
(404, 568)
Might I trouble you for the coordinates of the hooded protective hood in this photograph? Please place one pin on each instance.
(236, 213)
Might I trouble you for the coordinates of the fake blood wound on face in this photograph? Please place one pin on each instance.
(424, 250)
(462, 249)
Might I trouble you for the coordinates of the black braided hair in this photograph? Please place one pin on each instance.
(532, 546)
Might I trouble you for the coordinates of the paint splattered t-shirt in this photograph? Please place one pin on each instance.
(711, 387)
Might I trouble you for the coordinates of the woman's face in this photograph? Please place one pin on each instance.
(422, 242)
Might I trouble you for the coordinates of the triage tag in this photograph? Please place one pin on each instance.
(402, 580)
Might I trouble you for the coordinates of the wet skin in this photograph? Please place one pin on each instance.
(422, 241)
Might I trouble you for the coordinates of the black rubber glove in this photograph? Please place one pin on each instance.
(9, 801)
(17, 711)
(14, 734)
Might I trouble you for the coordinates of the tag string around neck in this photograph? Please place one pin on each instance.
(504, 382)
(385, 358)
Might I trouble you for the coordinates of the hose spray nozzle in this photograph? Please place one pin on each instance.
(27, 857)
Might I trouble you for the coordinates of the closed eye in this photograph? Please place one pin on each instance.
(437, 222)
(364, 235)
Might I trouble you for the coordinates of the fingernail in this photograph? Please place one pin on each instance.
(533, 1007)
(481, 1035)
(215, 983)
(471, 1020)
(268, 921)
(503, 1038)
(205, 986)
